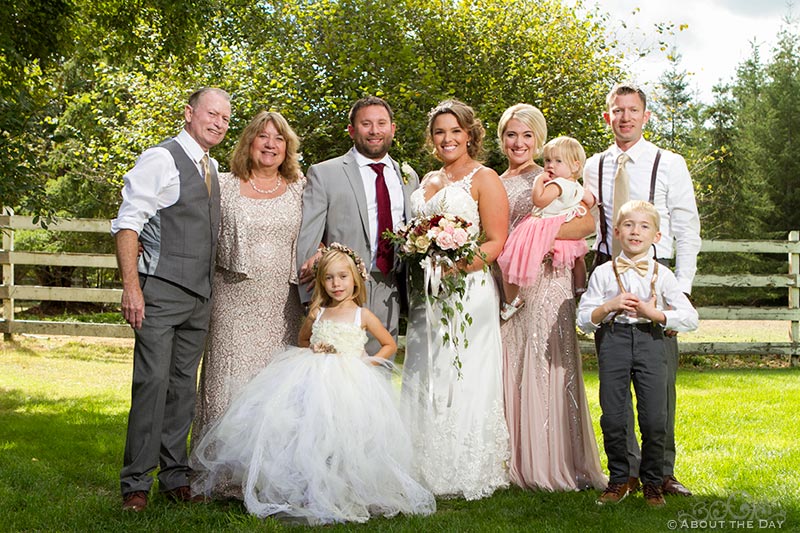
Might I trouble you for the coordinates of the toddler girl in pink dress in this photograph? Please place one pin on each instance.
(557, 196)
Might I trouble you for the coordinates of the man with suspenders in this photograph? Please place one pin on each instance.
(635, 169)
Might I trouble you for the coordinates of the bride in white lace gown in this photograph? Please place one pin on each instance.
(458, 427)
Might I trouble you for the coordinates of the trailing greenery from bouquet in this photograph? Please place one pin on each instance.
(436, 248)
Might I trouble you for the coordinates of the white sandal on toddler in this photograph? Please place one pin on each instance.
(508, 310)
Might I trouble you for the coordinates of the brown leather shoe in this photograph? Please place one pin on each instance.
(675, 487)
(614, 493)
(652, 495)
(183, 494)
(134, 501)
(634, 485)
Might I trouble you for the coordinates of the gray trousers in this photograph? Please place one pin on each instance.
(166, 354)
(634, 453)
(383, 299)
(625, 354)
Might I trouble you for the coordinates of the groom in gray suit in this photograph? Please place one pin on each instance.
(351, 199)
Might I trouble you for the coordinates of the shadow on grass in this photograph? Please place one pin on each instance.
(68, 438)
(60, 460)
(73, 350)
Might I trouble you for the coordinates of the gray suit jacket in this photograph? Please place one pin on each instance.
(335, 208)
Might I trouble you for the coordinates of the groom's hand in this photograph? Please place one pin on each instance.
(307, 271)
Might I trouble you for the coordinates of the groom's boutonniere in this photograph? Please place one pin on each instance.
(406, 172)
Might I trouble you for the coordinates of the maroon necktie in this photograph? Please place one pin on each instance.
(385, 250)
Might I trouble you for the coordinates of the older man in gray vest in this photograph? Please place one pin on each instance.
(170, 204)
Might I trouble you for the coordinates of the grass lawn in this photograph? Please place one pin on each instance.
(63, 408)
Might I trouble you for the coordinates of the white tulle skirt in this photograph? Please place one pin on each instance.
(316, 437)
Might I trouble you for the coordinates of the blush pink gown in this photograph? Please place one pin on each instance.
(553, 445)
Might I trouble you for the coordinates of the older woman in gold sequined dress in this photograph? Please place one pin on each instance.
(256, 310)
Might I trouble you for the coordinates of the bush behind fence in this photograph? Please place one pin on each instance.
(13, 290)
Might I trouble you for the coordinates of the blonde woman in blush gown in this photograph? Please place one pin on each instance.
(553, 446)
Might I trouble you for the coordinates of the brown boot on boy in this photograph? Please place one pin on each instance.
(652, 495)
(614, 493)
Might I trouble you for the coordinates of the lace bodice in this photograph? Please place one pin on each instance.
(348, 338)
(258, 237)
(454, 198)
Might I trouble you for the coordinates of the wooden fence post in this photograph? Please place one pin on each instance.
(8, 275)
(794, 294)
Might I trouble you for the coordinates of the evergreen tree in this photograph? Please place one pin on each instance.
(779, 142)
(675, 119)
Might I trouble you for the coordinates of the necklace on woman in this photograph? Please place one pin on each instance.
(278, 182)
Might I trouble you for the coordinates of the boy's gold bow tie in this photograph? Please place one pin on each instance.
(640, 267)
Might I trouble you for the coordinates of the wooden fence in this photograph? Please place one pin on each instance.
(9, 291)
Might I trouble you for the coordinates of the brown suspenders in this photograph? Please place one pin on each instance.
(622, 287)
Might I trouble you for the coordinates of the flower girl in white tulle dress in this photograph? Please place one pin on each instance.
(316, 435)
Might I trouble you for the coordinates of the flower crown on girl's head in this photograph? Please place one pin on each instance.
(360, 266)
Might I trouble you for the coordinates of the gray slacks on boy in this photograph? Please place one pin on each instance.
(633, 353)
(165, 358)
(634, 453)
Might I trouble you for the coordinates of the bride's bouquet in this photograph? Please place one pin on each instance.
(435, 247)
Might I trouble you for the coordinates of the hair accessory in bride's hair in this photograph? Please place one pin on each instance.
(360, 266)
(444, 106)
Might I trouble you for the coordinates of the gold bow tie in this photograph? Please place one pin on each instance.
(640, 267)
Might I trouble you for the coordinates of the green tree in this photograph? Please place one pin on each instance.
(125, 69)
(779, 142)
(734, 197)
(732, 191)
(322, 56)
(53, 67)
(676, 114)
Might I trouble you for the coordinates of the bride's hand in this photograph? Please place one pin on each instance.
(460, 267)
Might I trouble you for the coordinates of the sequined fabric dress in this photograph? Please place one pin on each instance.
(256, 308)
(553, 445)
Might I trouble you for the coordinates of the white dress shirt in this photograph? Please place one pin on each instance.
(674, 199)
(670, 298)
(395, 187)
(154, 183)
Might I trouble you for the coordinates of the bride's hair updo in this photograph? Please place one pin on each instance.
(466, 118)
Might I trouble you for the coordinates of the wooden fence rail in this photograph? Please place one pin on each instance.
(9, 291)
